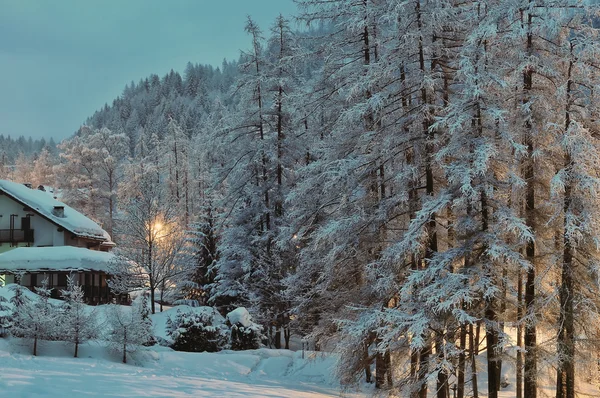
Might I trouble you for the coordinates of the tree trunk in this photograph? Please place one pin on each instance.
(277, 339)
(151, 269)
(519, 373)
(424, 368)
(287, 333)
(491, 331)
(530, 379)
(76, 349)
(162, 295)
(491, 337)
(388, 361)
(442, 376)
(152, 288)
(431, 227)
(565, 373)
(125, 345)
(35, 340)
(501, 324)
(381, 370)
(460, 382)
(111, 203)
(477, 335)
(473, 350)
(367, 363)
(414, 368)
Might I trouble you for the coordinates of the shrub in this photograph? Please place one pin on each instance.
(199, 330)
(245, 334)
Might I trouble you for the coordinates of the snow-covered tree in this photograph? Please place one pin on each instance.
(23, 169)
(36, 319)
(89, 172)
(151, 241)
(203, 243)
(43, 169)
(6, 316)
(127, 329)
(255, 177)
(77, 323)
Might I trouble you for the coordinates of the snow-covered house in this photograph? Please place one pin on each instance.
(42, 238)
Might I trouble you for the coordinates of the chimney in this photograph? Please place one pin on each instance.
(41, 188)
(59, 211)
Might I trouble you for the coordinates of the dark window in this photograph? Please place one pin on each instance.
(25, 223)
(62, 279)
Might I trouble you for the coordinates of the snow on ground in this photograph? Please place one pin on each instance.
(161, 372)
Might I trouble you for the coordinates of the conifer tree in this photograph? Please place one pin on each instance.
(128, 328)
(78, 325)
(35, 319)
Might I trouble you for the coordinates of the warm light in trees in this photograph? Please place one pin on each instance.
(157, 230)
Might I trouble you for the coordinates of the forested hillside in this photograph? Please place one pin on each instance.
(396, 182)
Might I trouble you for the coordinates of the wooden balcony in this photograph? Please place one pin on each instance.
(16, 235)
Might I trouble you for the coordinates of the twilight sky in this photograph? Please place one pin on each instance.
(60, 60)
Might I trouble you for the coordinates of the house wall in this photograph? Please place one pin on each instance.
(58, 238)
(70, 241)
(45, 232)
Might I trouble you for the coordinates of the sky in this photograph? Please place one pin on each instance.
(60, 60)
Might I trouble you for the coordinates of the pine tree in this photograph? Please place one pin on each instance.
(128, 329)
(205, 242)
(35, 319)
(78, 325)
(6, 316)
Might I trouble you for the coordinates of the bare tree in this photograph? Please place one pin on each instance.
(152, 242)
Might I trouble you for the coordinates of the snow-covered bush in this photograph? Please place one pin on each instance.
(202, 329)
(245, 334)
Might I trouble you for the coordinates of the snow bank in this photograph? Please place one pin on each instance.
(44, 204)
(8, 292)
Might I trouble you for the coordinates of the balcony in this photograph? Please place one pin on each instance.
(16, 235)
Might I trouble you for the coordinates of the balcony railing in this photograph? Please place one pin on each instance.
(16, 235)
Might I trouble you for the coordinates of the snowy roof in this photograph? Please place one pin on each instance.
(43, 204)
(54, 258)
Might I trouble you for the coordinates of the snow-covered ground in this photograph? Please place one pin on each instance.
(161, 372)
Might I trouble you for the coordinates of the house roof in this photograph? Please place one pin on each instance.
(54, 258)
(43, 204)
